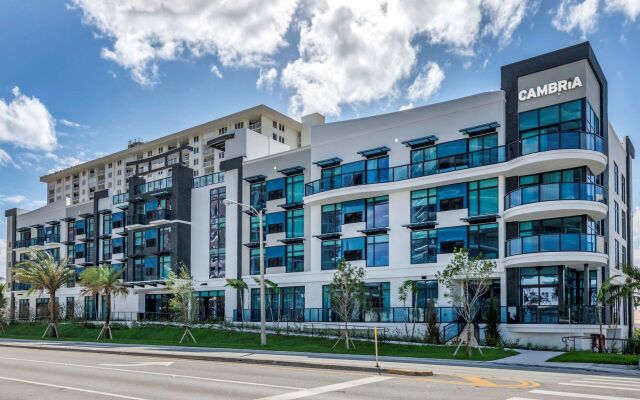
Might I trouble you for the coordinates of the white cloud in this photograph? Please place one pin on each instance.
(216, 71)
(144, 32)
(358, 52)
(406, 107)
(13, 199)
(572, 14)
(266, 78)
(636, 236)
(631, 8)
(62, 162)
(70, 124)
(26, 122)
(426, 83)
(3, 259)
(5, 158)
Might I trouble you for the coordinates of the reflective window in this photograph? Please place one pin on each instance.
(331, 218)
(483, 240)
(295, 223)
(450, 239)
(539, 286)
(377, 250)
(483, 197)
(331, 253)
(426, 292)
(295, 258)
(258, 195)
(353, 211)
(275, 188)
(295, 188)
(353, 249)
(424, 247)
(378, 212)
(452, 197)
(275, 222)
(274, 256)
(423, 205)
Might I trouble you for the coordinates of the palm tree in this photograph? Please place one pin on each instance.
(43, 272)
(619, 287)
(408, 290)
(105, 281)
(239, 285)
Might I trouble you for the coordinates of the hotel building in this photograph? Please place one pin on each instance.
(532, 176)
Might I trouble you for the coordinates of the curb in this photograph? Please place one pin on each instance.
(283, 363)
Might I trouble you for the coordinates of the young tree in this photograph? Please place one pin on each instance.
(240, 286)
(4, 304)
(467, 279)
(183, 302)
(492, 328)
(433, 331)
(407, 291)
(43, 272)
(617, 288)
(102, 280)
(346, 290)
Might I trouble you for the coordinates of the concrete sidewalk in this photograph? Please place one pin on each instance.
(526, 360)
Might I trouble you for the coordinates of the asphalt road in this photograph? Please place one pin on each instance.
(47, 374)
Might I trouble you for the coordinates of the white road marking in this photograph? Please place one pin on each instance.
(140, 364)
(329, 388)
(120, 396)
(154, 373)
(580, 395)
(520, 398)
(608, 382)
(611, 379)
(600, 386)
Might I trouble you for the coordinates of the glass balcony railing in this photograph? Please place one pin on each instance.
(554, 192)
(22, 243)
(153, 186)
(156, 215)
(403, 172)
(137, 219)
(557, 242)
(557, 141)
(210, 179)
(120, 198)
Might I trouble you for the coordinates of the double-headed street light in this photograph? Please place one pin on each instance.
(263, 313)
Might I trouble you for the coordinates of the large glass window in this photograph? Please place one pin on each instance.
(138, 269)
(150, 238)
(353, 211)
(353, 249)
(332, 218)
(106, 249)
(539, 128)
(539, 286)
(254, 229)
(217, 233)
(426, 292)
(331, 254)
(254, 261)
(295, 258)
(275, 189)
(452, 197)
(118, 245)
(165, 238)
(90, 226)
(423, 205)
(79, 251)
(483, 240)
(483, 142)
(376, 296)
(592, 120)
(450, 239)
(138, 241)
(275, 256)
(165, 266)
(106, 224)
(117, 220)
(295, 188)
(378, 169)
(258, 195)
(150, 268)
(295, 223)
(424, 247)
(377, 250)
(275, 222)
(81, 227)
(483, 197)
(378, 212)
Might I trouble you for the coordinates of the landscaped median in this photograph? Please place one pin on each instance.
(234, 339)
(596, 358)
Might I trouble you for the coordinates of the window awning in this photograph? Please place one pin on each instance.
(375, 152)
(329, 162)
(255, 178)
(292, 170)
(67, 219)
(85, 215)
(480, 129)
(37, 226)
(421, 141)
(219, 142)
(52, 222)
(104, 211)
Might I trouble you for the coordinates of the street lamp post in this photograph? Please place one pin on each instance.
(263, 312)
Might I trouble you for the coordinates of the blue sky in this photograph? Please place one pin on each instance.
(79, 78)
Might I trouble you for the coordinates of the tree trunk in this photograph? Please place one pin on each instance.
(53, 318)
(107, 316)
(346, 334)
(469, 327)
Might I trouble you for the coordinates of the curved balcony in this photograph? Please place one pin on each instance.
(520, 157)
(555, 151)
(553, 200)
(556, 249)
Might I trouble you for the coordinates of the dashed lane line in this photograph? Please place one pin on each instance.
(75, 389)
(600, 386)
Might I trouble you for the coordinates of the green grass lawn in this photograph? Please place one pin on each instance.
(220, 338)
(596, 358)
